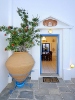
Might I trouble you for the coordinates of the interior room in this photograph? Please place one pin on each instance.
(49, 54)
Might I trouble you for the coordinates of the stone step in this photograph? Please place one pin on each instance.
(49, 75)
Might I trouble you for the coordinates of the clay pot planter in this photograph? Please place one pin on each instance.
(19, 64)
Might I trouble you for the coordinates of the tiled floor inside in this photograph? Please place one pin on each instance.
(49, 66)
(64, 90)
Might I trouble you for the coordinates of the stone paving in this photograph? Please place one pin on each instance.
(64, 90)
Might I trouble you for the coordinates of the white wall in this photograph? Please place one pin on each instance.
(60, 9)
(3, 43)
(3, 58)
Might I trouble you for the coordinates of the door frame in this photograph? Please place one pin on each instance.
(51, 35)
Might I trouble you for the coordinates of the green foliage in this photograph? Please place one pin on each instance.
(25, 36)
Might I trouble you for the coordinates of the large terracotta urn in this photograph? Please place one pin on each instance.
(19, 65)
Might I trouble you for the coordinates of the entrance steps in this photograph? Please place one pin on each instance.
(50, 75)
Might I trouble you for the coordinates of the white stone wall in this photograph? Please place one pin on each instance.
(3, 43)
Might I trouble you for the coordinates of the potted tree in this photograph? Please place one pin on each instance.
(21, 39)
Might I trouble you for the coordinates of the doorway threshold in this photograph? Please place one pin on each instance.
(49, 75)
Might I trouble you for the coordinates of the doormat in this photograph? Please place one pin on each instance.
(50, 79)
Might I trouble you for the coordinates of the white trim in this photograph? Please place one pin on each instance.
(42, 28)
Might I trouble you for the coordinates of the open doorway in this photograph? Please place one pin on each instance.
(49, 54)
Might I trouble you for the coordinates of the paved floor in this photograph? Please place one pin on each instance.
(64, 90)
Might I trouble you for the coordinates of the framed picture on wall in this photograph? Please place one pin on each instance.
(45, 48)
